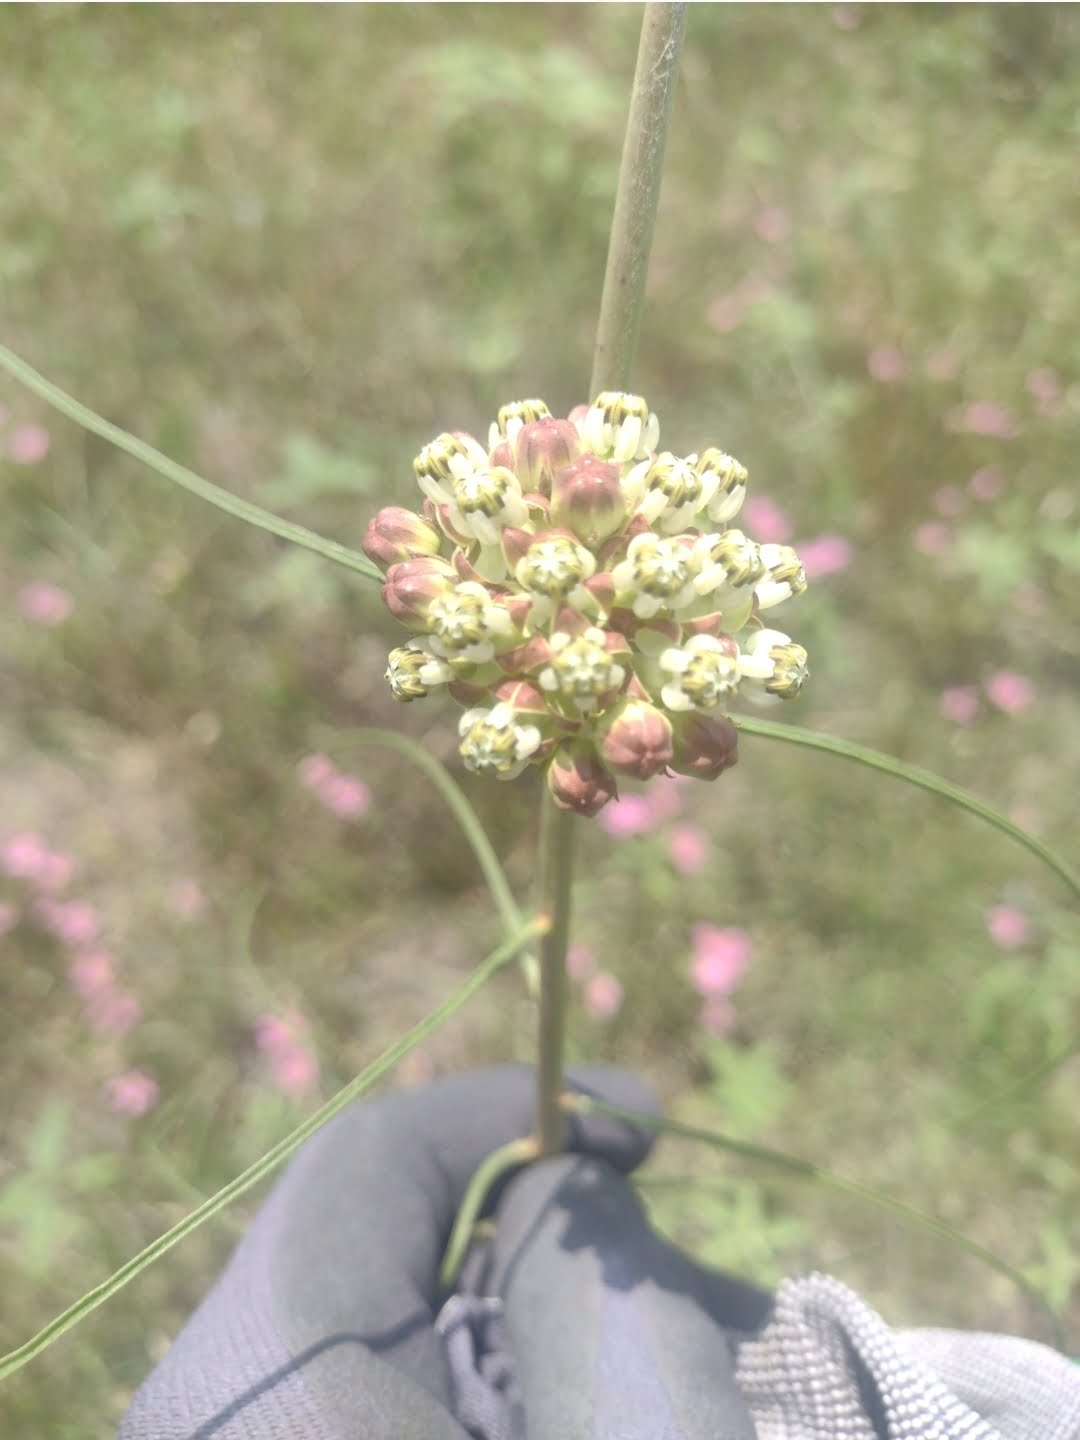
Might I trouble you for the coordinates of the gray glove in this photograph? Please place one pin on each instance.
(327, 1324)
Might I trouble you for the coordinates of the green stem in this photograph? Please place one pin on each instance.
(179, 474)
(506, 1157)
(637, 196)
(555, 885)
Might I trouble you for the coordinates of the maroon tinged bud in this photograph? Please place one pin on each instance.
(411, 586)
(705, 745)
(587, 497)
(395, 535)
(636, 739)
(577, 780)
(541, 448)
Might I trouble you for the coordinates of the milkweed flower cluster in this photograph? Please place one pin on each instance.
(586, 597)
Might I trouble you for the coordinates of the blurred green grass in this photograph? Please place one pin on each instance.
(287, 245)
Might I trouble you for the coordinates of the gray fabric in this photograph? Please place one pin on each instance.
(617, 1334)
(322, 1325)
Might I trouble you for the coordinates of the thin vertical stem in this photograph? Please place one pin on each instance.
(636, 200)
(556, 874)
(637, 197)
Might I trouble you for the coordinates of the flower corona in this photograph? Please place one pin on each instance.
(586, 597)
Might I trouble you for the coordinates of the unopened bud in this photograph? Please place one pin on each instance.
(412, 585)
(578, 780)
(704, 745)
(541, 448)
(396, 534)
(636, 739)
(587, 497)
(412, 671)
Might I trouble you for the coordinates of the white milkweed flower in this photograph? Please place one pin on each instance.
(494, 743)
(620, 427)
(465, 624)
(774, 664)
(553, 571)
(447, 458)
(704, 672)
(513, 418)
(485, 501)
(784, 576)
(669, 492)
(657, 574)
(413, 671)
(729, 483)
(581, 670)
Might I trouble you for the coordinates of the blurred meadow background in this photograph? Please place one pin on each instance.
(288, 245)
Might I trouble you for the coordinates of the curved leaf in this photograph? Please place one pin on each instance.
(179, 474)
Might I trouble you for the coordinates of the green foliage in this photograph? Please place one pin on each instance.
(287, 248)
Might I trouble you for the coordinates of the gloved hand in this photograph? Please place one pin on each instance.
(577, 1317)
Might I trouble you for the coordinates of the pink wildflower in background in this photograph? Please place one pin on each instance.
(603, 996)
(985, 417)
(726, 313)
(113, 1012)
(665, 796)
(28, 444)
(580, 962)
(346, 797)
(44, 604)
(932, 537)
(825, 555)
(186, 899)
(9, 917)
(74, 923)
(960, 704)
(772, 224)
(629, 815)
(24, 855)
(886, 364)
(1008, 926)
(296, 1072)
(1044, 385)
(1028, 817)
(719, 959)
(283, 1040)
(55, 872)
(942, 364)
(717, 1015)
(688, 849)
(133, 1093)
(769, 523)
(343, 795)
(950, 501)
(91, 973)
(986, 484)
(1010, 692)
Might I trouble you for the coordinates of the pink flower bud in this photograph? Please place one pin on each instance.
(636, 739)
(705, 745)
(396, 534)
(587, 496)
(541, 448)
(412, 585)
(577, 780)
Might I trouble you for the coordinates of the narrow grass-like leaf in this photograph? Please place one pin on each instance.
(179, 474)
(924, 779)
(515, 1152)
(270, 1161)
(463, 813)
(806, 1170)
